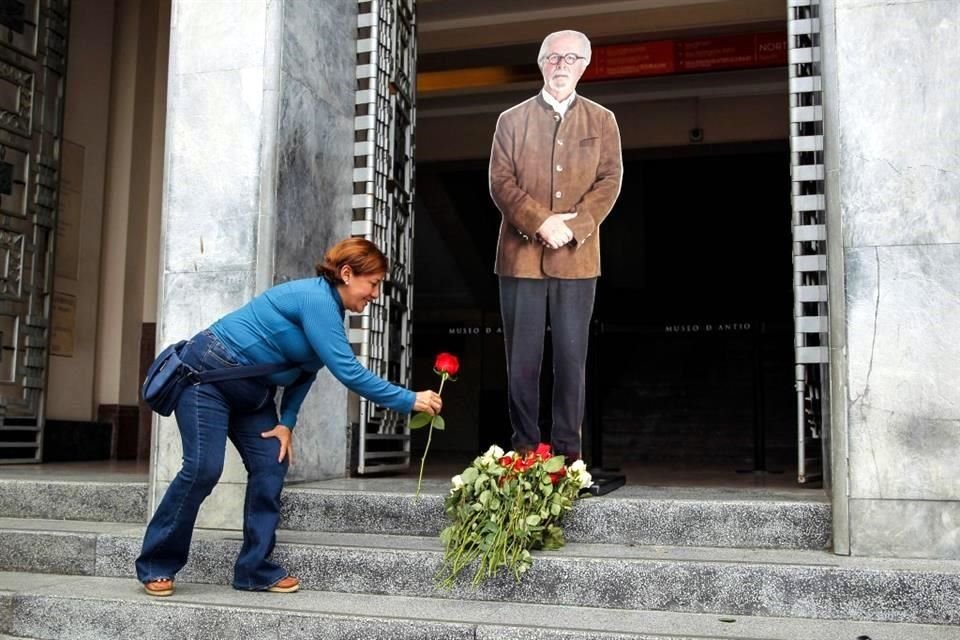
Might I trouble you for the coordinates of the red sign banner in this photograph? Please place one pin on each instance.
(665, 57)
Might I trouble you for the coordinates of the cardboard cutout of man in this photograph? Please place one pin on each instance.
(555, 174)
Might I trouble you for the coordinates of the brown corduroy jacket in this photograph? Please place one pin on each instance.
(541, 165)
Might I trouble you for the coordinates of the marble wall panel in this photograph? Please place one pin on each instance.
(906, 528)
(904, 371)
(216, 35)
(258, 183)
(898, 105)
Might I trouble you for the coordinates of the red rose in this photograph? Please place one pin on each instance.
(446, 366)
(506, 461)
(543, 451)
(555, 477)
(446, 363)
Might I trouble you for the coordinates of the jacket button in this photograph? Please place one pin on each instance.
(559, 168)
(558, 194)
(560, 142)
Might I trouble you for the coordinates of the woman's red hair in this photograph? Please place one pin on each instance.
(359, 254)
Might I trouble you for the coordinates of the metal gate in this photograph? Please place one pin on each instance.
(811, 320)
(383, 212)
(33, 47)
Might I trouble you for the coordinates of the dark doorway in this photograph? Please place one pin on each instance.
(691, 355)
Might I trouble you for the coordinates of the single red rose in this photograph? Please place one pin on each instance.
(446, 363)
(506, 461)
(543, 451)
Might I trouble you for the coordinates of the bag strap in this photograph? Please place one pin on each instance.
(231, 373)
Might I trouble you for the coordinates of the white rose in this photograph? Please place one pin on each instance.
(578, 467)
(457, 481)
(494, 451)
(585, 479)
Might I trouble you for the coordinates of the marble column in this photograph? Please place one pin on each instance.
(892, 98)
(257, 184)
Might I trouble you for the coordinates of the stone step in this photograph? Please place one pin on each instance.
(74, 500)
(80, 608)
(778, 583)
(631, 515)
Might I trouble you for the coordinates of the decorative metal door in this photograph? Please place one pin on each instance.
(33, 47)
(383, 213)
(811, 320)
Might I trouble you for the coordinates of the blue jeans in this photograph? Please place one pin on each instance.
(206, 415)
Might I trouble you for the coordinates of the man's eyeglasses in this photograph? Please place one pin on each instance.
(569, 58)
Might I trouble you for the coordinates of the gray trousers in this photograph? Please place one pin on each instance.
(525, 304)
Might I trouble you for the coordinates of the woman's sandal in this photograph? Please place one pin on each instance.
(287, 585)
(161, 587)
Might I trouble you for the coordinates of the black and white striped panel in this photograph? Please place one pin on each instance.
(811, 321)
(383, 213)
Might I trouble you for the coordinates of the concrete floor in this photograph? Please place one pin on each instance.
(642, 478)
(94, 471)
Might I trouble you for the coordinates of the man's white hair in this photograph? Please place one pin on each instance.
(545, 47)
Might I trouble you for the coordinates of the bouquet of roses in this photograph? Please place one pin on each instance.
(505, 505)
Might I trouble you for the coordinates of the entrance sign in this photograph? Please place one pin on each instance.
(693, 55)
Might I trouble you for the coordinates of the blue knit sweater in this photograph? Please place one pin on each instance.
(301, 323)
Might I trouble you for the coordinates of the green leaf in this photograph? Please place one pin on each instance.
(533, 520)
(422, 419)
(469, 475)
(438, 423)
(554, 464)
(554, 538)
